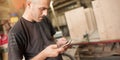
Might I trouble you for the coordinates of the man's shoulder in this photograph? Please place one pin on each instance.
(17, 27)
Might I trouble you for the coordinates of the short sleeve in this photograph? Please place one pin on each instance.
(15, 51)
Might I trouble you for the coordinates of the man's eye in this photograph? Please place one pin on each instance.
(42, 8)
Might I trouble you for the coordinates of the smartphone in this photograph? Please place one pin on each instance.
(68, 43)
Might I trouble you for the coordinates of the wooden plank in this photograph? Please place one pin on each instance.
(90, 20)
(108, 18)
(76, 21)
(99, 20)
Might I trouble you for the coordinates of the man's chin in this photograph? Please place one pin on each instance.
(39, 20)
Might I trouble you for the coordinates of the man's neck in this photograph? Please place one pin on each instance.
(27, 16)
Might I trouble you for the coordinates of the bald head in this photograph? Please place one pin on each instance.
(36, 1)
(36, 9)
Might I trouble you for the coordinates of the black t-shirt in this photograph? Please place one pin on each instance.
(30, 38)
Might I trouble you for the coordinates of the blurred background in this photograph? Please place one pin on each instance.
(93, 25)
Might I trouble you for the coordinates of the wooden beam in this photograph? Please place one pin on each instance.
(64, 4)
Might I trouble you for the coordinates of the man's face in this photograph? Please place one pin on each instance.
(39, 9)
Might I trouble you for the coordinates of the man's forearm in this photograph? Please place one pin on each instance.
(50, 51)
(40, 56)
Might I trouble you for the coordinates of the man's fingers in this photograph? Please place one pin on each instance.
(53, 46)
(61, 49)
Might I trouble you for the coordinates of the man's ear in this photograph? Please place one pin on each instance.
(28, 3)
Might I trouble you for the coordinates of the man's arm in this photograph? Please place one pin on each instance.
(50, 51)
(14, 52)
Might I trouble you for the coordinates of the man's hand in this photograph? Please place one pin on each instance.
(50, 51)
(61, 41)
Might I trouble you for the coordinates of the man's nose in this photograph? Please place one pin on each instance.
(45, 12)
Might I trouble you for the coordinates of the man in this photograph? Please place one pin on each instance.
(33, 33)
